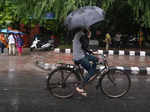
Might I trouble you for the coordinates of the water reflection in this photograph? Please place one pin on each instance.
(14, 102)
(11, 67)
(117, 60)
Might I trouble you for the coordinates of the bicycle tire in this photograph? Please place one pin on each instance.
(115, 83)
(61, 82)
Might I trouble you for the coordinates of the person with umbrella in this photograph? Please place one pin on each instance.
(79, 21)
(82, 55)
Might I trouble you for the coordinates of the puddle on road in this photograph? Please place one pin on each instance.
(129, 60)
(11, 67)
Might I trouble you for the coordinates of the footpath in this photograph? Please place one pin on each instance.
(134, 61)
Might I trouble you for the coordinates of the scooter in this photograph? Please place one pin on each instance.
(133, 42)
(37, 44)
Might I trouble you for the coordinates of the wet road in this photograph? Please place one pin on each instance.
(22, 89)
(25, 92)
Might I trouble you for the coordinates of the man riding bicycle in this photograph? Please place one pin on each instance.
(82, 55)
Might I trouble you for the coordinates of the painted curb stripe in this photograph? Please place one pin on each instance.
(134, 70)
(109, 52)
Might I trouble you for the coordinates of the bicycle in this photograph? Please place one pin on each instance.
(114, 83)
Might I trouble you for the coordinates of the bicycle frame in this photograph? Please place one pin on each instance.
(100, 71)
(78, 68)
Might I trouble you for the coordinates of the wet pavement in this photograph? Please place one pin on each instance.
(24, 91)
(23, 87)
(115, 60)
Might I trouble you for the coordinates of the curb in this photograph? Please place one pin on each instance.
(133, 70)
(109, 52)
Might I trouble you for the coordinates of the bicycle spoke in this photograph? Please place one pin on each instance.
(115, 84)
(61, 83)
(62, 76)
(54, 85)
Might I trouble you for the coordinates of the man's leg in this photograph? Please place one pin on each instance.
(91, 67)
(94, 61)
(85, 63)
(10, 48)
(13, 49)
(107, 46)
(3, 46)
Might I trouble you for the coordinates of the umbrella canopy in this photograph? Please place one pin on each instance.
(15, 32)
(11, 31)
(84, 17)
(4, 30)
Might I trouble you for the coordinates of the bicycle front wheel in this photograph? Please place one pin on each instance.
(61, 82)
(115, 83)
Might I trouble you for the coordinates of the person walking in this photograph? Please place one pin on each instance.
(140, 40)
(19, 44)
(107, 41)
(117, 40)
(3, 43)
(11, 44)
(82, 55)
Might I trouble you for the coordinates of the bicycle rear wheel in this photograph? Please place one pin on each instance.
(115, 83)
(61, 82)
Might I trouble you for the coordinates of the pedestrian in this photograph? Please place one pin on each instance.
(117, 40)
(82, 55)
(141, 38)
(3, 43)
(52, 39)
(11, 44)
(107, 41)
(19, 44)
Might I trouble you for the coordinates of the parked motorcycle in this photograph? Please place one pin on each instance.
(133, 42)
(39, 45)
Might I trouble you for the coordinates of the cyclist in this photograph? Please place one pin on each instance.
(82, 55)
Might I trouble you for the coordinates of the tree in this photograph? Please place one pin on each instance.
(7, 12)
(120, 17)
(26, 10)
(142, 11)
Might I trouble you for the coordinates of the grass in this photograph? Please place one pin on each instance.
(65, 46)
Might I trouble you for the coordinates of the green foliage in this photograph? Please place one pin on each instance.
(142, 11)
(7, 12)
(106, 4)
(26, 11)
(119, 17)
(65, 46)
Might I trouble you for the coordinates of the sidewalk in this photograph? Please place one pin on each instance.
(131, 52)
(47, 61)
(26, 51)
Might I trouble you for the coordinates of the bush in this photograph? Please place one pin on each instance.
(64, 46)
